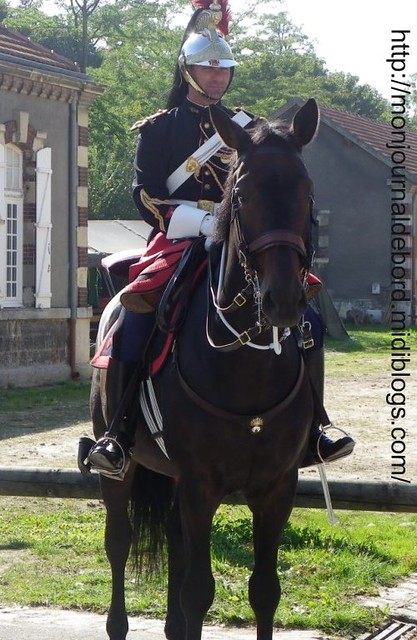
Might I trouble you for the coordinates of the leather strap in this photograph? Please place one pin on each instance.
(243, 420)
(278, 237)
(201, 155)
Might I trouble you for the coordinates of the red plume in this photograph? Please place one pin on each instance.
(223, 25)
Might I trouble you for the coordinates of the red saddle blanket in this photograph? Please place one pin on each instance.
(149, 276)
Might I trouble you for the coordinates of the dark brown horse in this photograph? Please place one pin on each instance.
(235, 401)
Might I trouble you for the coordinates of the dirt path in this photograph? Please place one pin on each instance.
(49, 437)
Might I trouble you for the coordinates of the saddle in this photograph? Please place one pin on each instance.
(164, 284)
(172, 308)
(149, 276)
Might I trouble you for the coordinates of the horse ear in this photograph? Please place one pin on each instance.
(305, 123)
(231, 133)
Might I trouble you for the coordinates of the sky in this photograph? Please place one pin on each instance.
(354, 36)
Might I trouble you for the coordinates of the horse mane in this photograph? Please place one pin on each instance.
(272, 132)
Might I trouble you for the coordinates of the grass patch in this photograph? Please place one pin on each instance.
(43, 397)
(374, 339)
(366, 354)
(323, 569)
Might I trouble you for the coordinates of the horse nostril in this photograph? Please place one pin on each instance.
(284, 309)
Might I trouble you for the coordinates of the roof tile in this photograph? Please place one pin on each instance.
(375, 135)
(16, 44)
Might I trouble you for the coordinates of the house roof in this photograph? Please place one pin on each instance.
(111, 236)
(16, 47)
(369, 134)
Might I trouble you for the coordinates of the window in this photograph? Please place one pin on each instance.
(11, 226)
(13, 169)
(12, 252)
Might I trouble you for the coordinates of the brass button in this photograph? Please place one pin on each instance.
(206, 125)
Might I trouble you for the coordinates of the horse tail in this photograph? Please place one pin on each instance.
(150, 505)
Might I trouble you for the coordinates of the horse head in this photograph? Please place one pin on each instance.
(268, 207)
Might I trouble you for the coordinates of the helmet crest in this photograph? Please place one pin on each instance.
(220, 12)
(206, 45)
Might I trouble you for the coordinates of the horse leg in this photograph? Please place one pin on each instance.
(118, 536)
(175, 621)
(270, 514)
(197, 591)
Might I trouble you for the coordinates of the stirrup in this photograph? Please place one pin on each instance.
(323, 432)
(115, 474)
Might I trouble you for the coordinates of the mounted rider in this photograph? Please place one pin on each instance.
(179, 179)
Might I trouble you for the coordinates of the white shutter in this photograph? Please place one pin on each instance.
(43, 225)
(2, 183)
(2, 222)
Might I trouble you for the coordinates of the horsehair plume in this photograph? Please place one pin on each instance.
(223, 6)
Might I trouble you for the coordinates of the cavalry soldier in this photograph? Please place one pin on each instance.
(179, 178)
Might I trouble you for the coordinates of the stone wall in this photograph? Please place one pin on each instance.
(33, 352)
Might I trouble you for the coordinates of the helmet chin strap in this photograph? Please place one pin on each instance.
(190, 80)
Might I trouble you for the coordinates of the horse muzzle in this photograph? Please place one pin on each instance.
(284, 308)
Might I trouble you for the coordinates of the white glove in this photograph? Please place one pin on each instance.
(186, 222)
(207, 225)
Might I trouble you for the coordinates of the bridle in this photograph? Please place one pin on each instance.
(273, 238)
(246, 251)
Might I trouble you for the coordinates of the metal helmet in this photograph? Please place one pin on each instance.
(206, 50)
(206, 46)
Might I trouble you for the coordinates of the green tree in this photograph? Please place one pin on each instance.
(80, 12)
(138, 61)
(278, 63)
(4, 10)
(130, 46)
(57, 33)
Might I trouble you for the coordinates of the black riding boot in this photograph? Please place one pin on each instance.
(322, 447)
(110, 456)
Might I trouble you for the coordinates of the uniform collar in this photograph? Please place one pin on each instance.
(197, 108)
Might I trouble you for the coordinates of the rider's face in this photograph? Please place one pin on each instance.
(213, 80)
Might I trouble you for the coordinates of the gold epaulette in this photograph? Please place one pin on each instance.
(139, 124)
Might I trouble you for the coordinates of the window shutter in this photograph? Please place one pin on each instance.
(43, 225)
(2, 222)
(2, 183)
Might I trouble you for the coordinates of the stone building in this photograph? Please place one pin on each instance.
(44, 312)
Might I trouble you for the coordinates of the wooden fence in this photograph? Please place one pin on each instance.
(393, 496)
